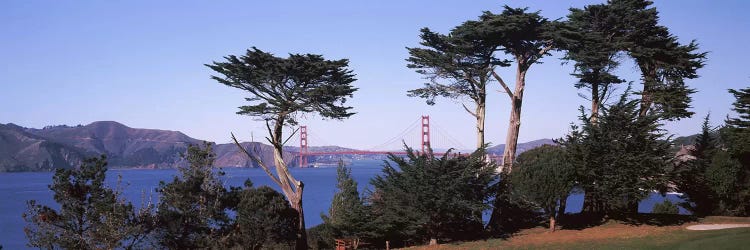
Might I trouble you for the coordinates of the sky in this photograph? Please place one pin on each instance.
(141, 63)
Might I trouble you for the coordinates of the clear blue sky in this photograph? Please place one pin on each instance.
(141, 63)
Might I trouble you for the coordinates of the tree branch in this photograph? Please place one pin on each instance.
(467, 110)
(502, 83)
(545, 49)
(290, 136)
(257, 160)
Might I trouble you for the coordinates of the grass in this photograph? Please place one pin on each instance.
(621, 235)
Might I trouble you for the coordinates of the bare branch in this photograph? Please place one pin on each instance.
(257, 160)
(546, 49)
(502, 83)
(290, 136)
(467, 110)
(268, 127)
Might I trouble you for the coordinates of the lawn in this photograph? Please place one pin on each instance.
(617, 235)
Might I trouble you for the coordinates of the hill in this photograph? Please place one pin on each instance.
(23, 151)
(30, 149)
(521, 147)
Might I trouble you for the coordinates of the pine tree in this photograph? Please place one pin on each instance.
(265, 220)
(619, 160)
(737, 133)
(91, 215)
(663, 61)
(544, 176)
(426, 198)
(690, 176)
(592, 38)
(347, 216)
(192, 212)
(458, 65)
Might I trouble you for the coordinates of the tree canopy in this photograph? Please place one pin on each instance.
(283, 87)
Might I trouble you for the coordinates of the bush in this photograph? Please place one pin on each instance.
(544, 177)
(431, 198)
(264, 220)
(666, 207)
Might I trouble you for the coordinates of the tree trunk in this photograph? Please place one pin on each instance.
(301, 243)
(648, 71)
(480, 115)
(552, 222)
(514, 124)
(594, 103)
(291, 187)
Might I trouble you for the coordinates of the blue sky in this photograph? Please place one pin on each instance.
(141, 63)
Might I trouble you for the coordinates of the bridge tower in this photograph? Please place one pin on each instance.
(425, 133)
(303, 146)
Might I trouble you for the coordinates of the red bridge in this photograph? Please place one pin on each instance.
(304, 153)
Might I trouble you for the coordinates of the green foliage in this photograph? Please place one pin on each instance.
(724, 176)
(592, 38)
(347, 216)
(544, 176)
(192, 210)
(690, 176)
(264, 220)
(619, 160)
(663, 61)
(461, 57)
(431, 198)
(282, 87)
(91, 215)
(666, 207)
(321, 237)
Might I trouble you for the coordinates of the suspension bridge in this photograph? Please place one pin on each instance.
(425, 131)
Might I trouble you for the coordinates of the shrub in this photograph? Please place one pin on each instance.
(666, 207)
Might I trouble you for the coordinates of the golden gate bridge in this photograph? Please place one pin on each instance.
(424, 134)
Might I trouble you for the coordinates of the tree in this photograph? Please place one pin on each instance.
(666, 207)
(525, 37)
(690, 176)
(592, 38)
(544, 176)
(738, 128)
(192, 208)
(264, 219)
(281, 90)
(619, 160)
(462, 58)
(91, 215)
(347, 216)
(663, 61)
(430, 198)
(736, 167)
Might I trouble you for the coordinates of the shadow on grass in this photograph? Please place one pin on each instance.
(587, 220)
(656, 219)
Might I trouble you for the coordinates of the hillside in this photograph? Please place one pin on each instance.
(30, 149)
(521, 147)
(23, 151)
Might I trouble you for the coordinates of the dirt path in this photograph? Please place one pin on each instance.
(715, 226)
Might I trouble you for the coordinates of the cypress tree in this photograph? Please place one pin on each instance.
(620, 160)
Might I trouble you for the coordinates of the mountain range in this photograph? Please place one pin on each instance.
(31, 149)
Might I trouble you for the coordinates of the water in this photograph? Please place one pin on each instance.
(320, 184)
